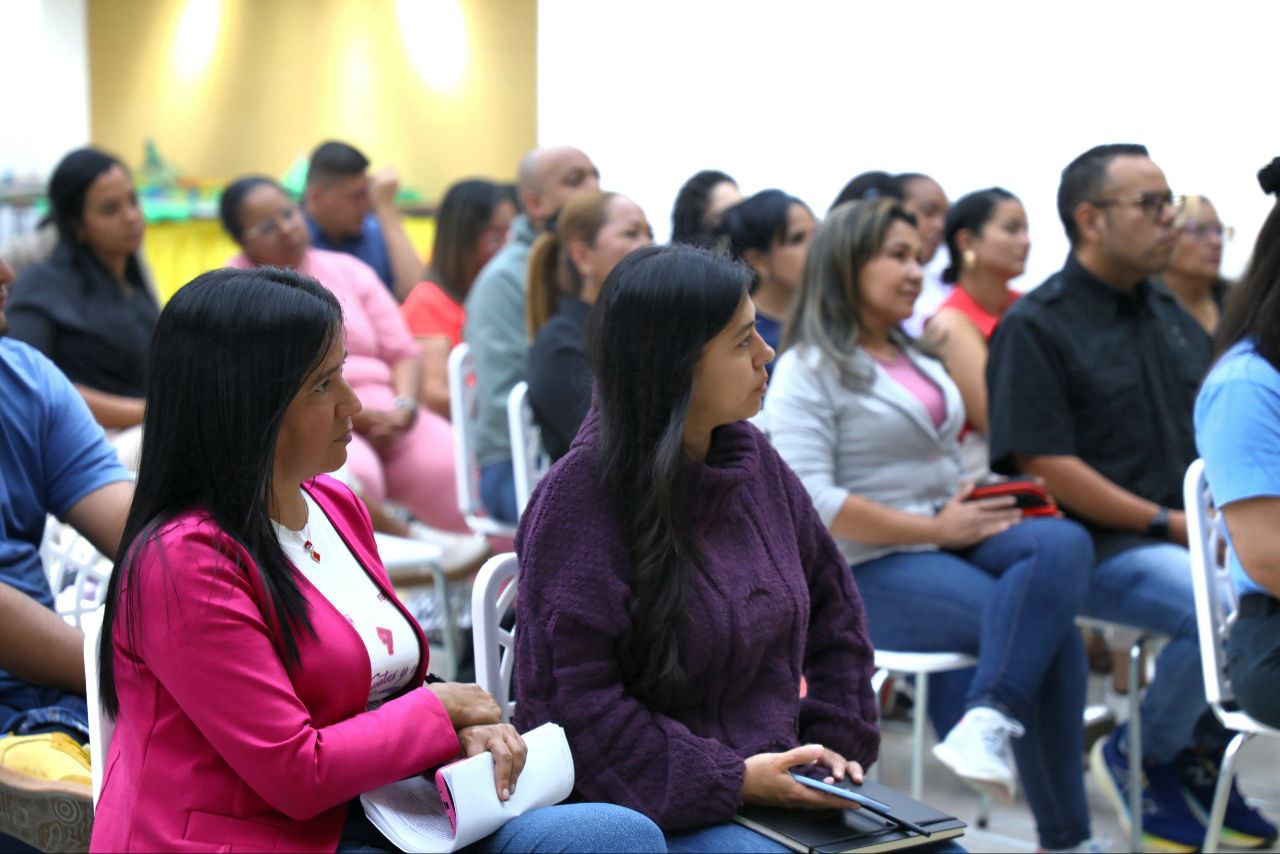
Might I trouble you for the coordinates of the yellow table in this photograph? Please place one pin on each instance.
(180, 251)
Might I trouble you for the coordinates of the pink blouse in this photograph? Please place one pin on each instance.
(906, 374)
(377, 337)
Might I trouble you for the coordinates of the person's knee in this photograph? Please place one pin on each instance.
(624, 829)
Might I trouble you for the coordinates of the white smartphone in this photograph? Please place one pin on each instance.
(839, 791)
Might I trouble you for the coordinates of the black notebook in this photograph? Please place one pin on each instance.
(830, 831)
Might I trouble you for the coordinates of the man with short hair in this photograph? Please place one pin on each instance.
(351, 211)
(54, 459)
(496, 329)
(1092, 380)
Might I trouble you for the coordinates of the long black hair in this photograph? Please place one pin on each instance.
(230, 351)
(689, 214)
(464, 213)
(656, 311)
(1253, 311)
(69, 188)
(757, 222)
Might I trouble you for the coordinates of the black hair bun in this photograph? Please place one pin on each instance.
(1269, 177)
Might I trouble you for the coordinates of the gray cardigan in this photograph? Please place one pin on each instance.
(879, 443)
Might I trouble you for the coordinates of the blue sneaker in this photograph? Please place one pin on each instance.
(1242, 825)
(1167, 822)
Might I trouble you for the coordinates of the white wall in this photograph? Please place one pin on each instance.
(804, 94)
(44, 78)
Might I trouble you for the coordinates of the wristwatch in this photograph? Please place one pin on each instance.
(1159, 524)
(409, 405)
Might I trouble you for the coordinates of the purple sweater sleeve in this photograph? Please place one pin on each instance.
(572, 614)
(839, 711)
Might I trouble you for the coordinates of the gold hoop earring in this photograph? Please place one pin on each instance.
(969, 258)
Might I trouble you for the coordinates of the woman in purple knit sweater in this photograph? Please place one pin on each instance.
(676, 582)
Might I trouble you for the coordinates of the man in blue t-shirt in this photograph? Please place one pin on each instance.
(54, 459)
(353, 212)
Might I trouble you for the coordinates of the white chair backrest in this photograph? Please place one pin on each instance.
(101, 727)
(78, 573)
(462, 413)
(493, 598)
(1216, 601)
(527, 454)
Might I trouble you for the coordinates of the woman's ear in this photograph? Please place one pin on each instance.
(757, 261)
(580, 257)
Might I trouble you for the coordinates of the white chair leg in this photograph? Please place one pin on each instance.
(449, 627)
(919, 716)
(1135, 743)
(984, 810)
(1226, 772)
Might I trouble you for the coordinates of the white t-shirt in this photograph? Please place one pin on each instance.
(387, 635)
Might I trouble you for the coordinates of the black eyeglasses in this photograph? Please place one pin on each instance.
(1153, 204)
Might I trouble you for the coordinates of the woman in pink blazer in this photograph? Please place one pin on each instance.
(261, 671)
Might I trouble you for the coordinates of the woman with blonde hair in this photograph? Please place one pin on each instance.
(1192, 274)
(567, 266)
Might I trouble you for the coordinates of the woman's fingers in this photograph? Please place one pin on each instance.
(837, 763)
(519, 754)
(503, 763)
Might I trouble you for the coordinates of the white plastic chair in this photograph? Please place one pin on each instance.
(492, 599)
(527, 454)
(101, 727)
(78, 573)
(1140, 645)
(919, 665)
(1216, 606)
(462, 412)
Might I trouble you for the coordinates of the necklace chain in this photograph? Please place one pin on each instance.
(305, 536)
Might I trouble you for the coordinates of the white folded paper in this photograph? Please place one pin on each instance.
(411, 814)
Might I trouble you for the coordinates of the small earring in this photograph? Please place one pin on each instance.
(969, 258)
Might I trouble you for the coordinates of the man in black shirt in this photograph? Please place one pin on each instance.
(1092, 379)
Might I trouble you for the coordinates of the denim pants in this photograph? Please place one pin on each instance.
(498, 491)
(1149, 587)
(736, 838)
(567, 827)
(26, 709)
(1011, 601)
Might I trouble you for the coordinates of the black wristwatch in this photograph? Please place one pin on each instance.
(1159, 524)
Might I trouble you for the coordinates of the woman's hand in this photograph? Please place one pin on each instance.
(962, 523)
(508, 749)
(381, 426)
(767, 781)
(466, 705)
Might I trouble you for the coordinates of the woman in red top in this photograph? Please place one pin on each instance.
(986, 234)
(470, 228)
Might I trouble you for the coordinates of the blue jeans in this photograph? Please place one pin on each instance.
(498, 491)
(1149, 587)
(566, 827)
(1011, 601)
(26, 709)
(736, 838)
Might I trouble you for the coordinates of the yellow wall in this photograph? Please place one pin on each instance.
(281, 75)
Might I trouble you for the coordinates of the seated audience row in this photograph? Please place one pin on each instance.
(682, 574)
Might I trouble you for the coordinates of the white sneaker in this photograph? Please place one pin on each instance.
(460, 550)
(977, 750)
